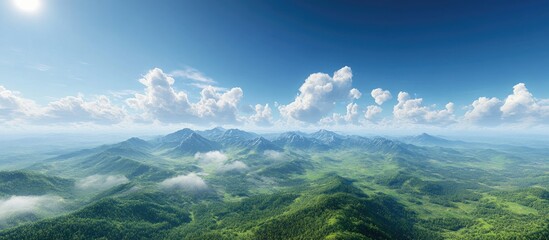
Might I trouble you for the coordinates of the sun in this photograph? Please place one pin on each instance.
(28, 5)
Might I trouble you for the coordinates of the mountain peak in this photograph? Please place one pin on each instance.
(260, 140)
(327, 137)
(192, 135)
(292, 134)
(261, 144)
(178, 136)
(135, 140)
(183, 131)
(237, 133)
(324, 132)
(194, 143)
(425, 135)
(219, 129)
(427, 140)
(234, 131)
(213, 134)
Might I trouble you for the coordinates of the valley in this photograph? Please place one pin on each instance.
(232, 184)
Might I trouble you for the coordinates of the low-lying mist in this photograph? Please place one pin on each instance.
(190, 182)
(101, 182)
(15, 206)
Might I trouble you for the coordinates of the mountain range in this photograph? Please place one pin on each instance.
(233, 184)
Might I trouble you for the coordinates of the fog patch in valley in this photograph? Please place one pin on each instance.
(219, 162)
(211, 157)
(190, 182)
(275, 155)
(236, 166)
(101, 182)
(19, 205)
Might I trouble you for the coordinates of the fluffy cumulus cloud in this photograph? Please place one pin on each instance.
(13, 106)
(71, 109)
(161, 101)
(17, 205)
(190, 182)
(318, 95)
(263, 115)
(350, 117)
(77, 109)
(522, 106)
(519, 107)
(355, 94)
(101, 182)
(352, 113)
(484, 111)
(218, 107)
(411, 110)
(520, 103)
(371, 112)
(315, 105)
(236, 166)
(380, 96)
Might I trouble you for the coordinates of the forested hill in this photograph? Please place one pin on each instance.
(232, 184)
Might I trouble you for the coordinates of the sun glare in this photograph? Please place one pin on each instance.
(27, 5)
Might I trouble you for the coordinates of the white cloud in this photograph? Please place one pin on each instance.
(219, 162)
(318, 94)
(518, 107)
(162, 102)
(13, 106)
(65, 110)
(219, 107)
(372, 111)
(520, 103)
(216, 157)
(352, 113)
(276, 155)
(101, 182)
(233, 166)
(192, 74)
(522, 106)
(380, 96)
(355, 94)
(351, 116)
(122, 94)
(412, 111)
(76, 109)
(190, 182)
(41, 67)
(16, 205)
(485, 111)
(263, 115)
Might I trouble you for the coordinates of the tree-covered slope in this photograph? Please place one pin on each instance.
(32, 183)
(332, 208)
(288, 188)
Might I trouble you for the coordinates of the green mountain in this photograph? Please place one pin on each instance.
(322, 185)
(192, 144)
(32, 183)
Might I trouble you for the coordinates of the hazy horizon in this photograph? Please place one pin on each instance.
(285, 119)
(390, 75)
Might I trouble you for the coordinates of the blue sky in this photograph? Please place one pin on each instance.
(68, 61)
